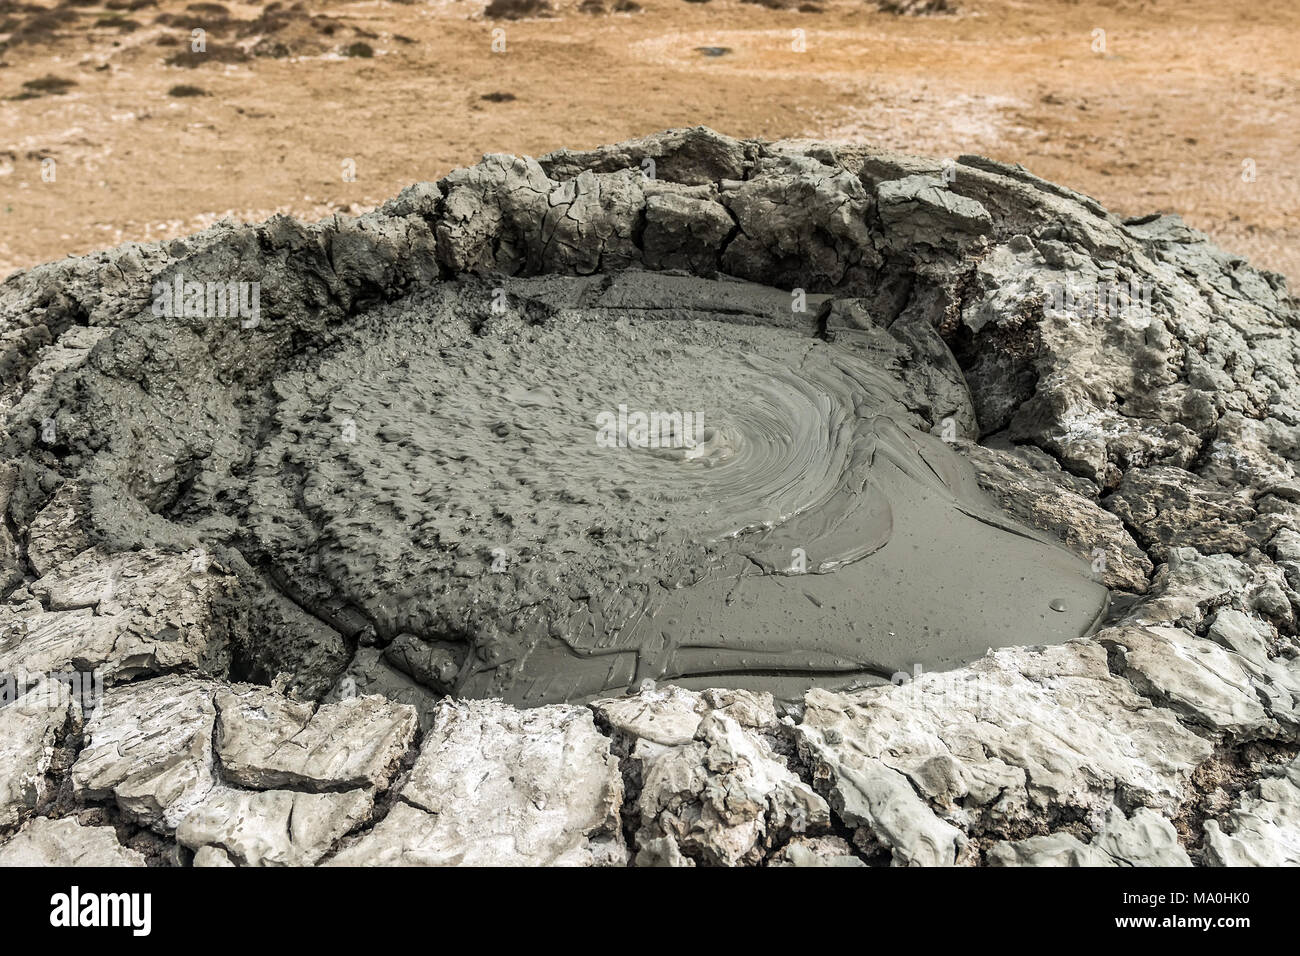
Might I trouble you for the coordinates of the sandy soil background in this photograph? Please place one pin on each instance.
(1189, 106)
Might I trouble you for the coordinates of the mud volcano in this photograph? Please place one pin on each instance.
(732, 416)
(581, 474)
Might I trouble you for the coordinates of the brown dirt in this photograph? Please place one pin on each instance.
(1217, 785)
(1164, 119)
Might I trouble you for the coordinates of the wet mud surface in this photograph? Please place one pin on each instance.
(461, 479)
(443, 477)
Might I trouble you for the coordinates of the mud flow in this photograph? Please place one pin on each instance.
(609, 495)
(556, 488)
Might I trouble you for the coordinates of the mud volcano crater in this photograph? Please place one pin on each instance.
(636, 477)
(421, 468)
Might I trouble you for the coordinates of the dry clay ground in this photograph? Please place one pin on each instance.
(1183, 100)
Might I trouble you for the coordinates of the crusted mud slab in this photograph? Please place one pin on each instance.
(712, 502)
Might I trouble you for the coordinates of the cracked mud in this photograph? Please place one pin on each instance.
(793, 507)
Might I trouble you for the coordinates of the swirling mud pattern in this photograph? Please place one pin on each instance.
(544, 433)
(547, 498)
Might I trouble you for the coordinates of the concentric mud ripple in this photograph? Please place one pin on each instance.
(491, 493)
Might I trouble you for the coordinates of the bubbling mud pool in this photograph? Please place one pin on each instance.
(465, 479)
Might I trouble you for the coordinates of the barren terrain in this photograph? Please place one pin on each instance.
(1183, 102)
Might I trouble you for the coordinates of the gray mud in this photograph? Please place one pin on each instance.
(435, 481)
(811, 533)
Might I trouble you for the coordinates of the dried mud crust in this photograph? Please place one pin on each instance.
(133, 540)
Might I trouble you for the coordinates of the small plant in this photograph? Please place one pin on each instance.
(118, 21)
(209, 10)
(359, 48)
(49, 83)
(516, 9)
(186, 89)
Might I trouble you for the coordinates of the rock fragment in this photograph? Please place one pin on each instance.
(1186, 589)
(1045, 500)
(684, 229)
(149, 749)
(669, 716)
(1144, 839)
(1055, 849)
(816, 851)
(1264, 828)
(11, 573)
(875, 800)
(58, 534)
(498, 786)
(212, 856)
(30, 728)
(65, 842)
(267, 780)
(920, 211)
(1009, 740)
(265, 741)
(128, 614)
(1171, 508)
(696, 156)
(724, 799)
(802, 226)
(713, 788)
(273, 827)
(1241, 693)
